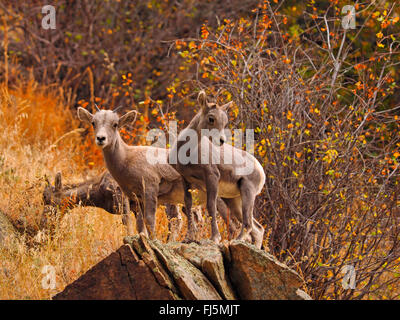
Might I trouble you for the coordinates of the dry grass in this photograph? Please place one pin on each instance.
(38, 138)
(32, 122)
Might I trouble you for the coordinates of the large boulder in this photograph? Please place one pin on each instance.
(146, 269)
(190, 281)
(122, 275)
(208, 258)
(258, 275)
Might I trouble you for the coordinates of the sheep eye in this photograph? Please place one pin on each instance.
(93, 124)
(211, 120)
(115, 125)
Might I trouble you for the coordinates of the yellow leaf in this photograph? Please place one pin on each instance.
(192, 45)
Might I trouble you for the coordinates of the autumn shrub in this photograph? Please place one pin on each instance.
(326, 134)
(95, 43)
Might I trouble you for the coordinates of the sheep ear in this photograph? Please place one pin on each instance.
(225, 107)
(202, 100)
(127, 118)
(57, 182)
(84, 115)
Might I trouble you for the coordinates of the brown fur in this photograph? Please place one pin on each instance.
(102, 192)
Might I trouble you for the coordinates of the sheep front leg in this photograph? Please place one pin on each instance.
(150, 207)
(126, 216)
(212, 193)
(223, 205)
(140, 225)
(191, 228)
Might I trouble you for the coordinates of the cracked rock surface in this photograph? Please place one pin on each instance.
(144, 269)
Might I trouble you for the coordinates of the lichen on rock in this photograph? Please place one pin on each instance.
(149, 269)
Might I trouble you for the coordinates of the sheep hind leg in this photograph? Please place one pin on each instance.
(126, 217)
(248, 197)
(150, 207)
(257, 234)
(235, 206)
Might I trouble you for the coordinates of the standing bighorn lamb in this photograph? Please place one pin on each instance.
(152, 183)
(218, 169)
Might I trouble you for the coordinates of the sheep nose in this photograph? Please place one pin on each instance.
(101, 139)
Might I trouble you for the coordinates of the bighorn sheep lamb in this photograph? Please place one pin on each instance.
(102, 192)
(219, 169)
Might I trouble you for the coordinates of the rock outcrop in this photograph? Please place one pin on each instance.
(146, 269)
